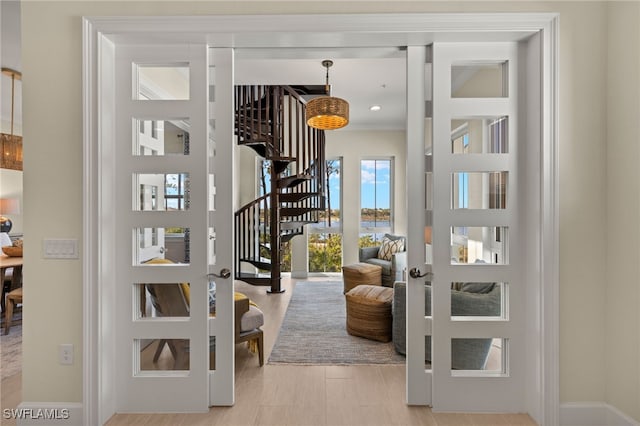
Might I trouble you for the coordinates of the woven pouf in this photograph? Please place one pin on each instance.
(361, 273)
(369, 312)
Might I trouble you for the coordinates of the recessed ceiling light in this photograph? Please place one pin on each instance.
(375, 108)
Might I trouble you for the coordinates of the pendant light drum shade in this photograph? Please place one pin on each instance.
(327, 113)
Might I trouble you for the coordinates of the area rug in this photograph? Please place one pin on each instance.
(314, 331)
(11, 349)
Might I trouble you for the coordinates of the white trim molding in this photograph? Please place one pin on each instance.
(101, 34)
(46, 413)
(593, 414)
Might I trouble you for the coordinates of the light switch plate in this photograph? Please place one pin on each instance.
(60, 248)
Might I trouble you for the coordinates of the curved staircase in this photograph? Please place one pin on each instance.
(271, 121)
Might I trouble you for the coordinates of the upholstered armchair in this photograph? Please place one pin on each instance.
(172, 300)
(393, 262)
(467, 299)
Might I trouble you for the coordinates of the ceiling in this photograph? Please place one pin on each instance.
(363, 77)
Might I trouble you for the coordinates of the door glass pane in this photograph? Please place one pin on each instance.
(161, 137)
(479, 245)
(478, 356)
(170, 191)
(479, 190)
(161, 300)
(162, 355)
(488, 135)
(427, 352)
(161, 246)
(477, 300)
(161, 82)
(479, 80)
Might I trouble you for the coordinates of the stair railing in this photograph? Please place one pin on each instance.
(271, 120)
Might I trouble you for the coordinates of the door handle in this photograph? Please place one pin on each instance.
(415, 273)
(224, 273)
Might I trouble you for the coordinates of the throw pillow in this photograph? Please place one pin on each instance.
(389, 248)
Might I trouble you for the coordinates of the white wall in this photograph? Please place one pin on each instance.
(354, 146)
(622, 322)
(53, 178)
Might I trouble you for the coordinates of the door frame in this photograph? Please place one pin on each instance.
(100, 34)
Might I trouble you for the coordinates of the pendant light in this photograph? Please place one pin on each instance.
(327, 112)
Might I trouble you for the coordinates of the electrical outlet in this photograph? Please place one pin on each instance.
(65, 354)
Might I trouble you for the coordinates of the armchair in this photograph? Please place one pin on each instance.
(472, 299)
(391, 269)
(173, 300)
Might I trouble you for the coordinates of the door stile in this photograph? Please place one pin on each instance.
(418, 326)
(222, 207)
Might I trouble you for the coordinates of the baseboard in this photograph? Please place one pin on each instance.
(593, 414)
(46, 413)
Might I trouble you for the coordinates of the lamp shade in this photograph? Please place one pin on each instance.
(427, 235)
(9, 206)
(327, 113)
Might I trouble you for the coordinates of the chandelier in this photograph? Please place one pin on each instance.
(327, 112)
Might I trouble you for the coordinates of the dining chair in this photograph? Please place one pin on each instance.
(13, 298)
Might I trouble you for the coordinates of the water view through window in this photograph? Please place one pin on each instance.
(375, 200)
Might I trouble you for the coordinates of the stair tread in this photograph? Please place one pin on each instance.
(254, 279)
(298, 211)
(293, 180)
(261, 263)
(292, 197)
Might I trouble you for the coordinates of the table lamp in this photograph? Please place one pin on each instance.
(8, 206)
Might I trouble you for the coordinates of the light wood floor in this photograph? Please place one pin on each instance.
(303, 395)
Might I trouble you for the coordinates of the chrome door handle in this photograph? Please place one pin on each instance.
(224, 273)
(415, 273)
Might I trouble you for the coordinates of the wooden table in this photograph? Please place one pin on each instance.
(16, 279)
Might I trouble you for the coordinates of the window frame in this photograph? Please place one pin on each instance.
(375, 230)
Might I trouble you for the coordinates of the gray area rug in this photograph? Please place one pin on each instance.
(314, 331)
(11, 348)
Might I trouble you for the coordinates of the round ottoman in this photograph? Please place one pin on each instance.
(361, 273)
(369, 312)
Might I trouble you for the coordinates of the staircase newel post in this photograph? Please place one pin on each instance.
(275, 235)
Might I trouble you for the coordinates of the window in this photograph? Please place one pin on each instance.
(376, 200)
(325, 237)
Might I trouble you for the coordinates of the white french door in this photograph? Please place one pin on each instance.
(173, 306)
(466, 285)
